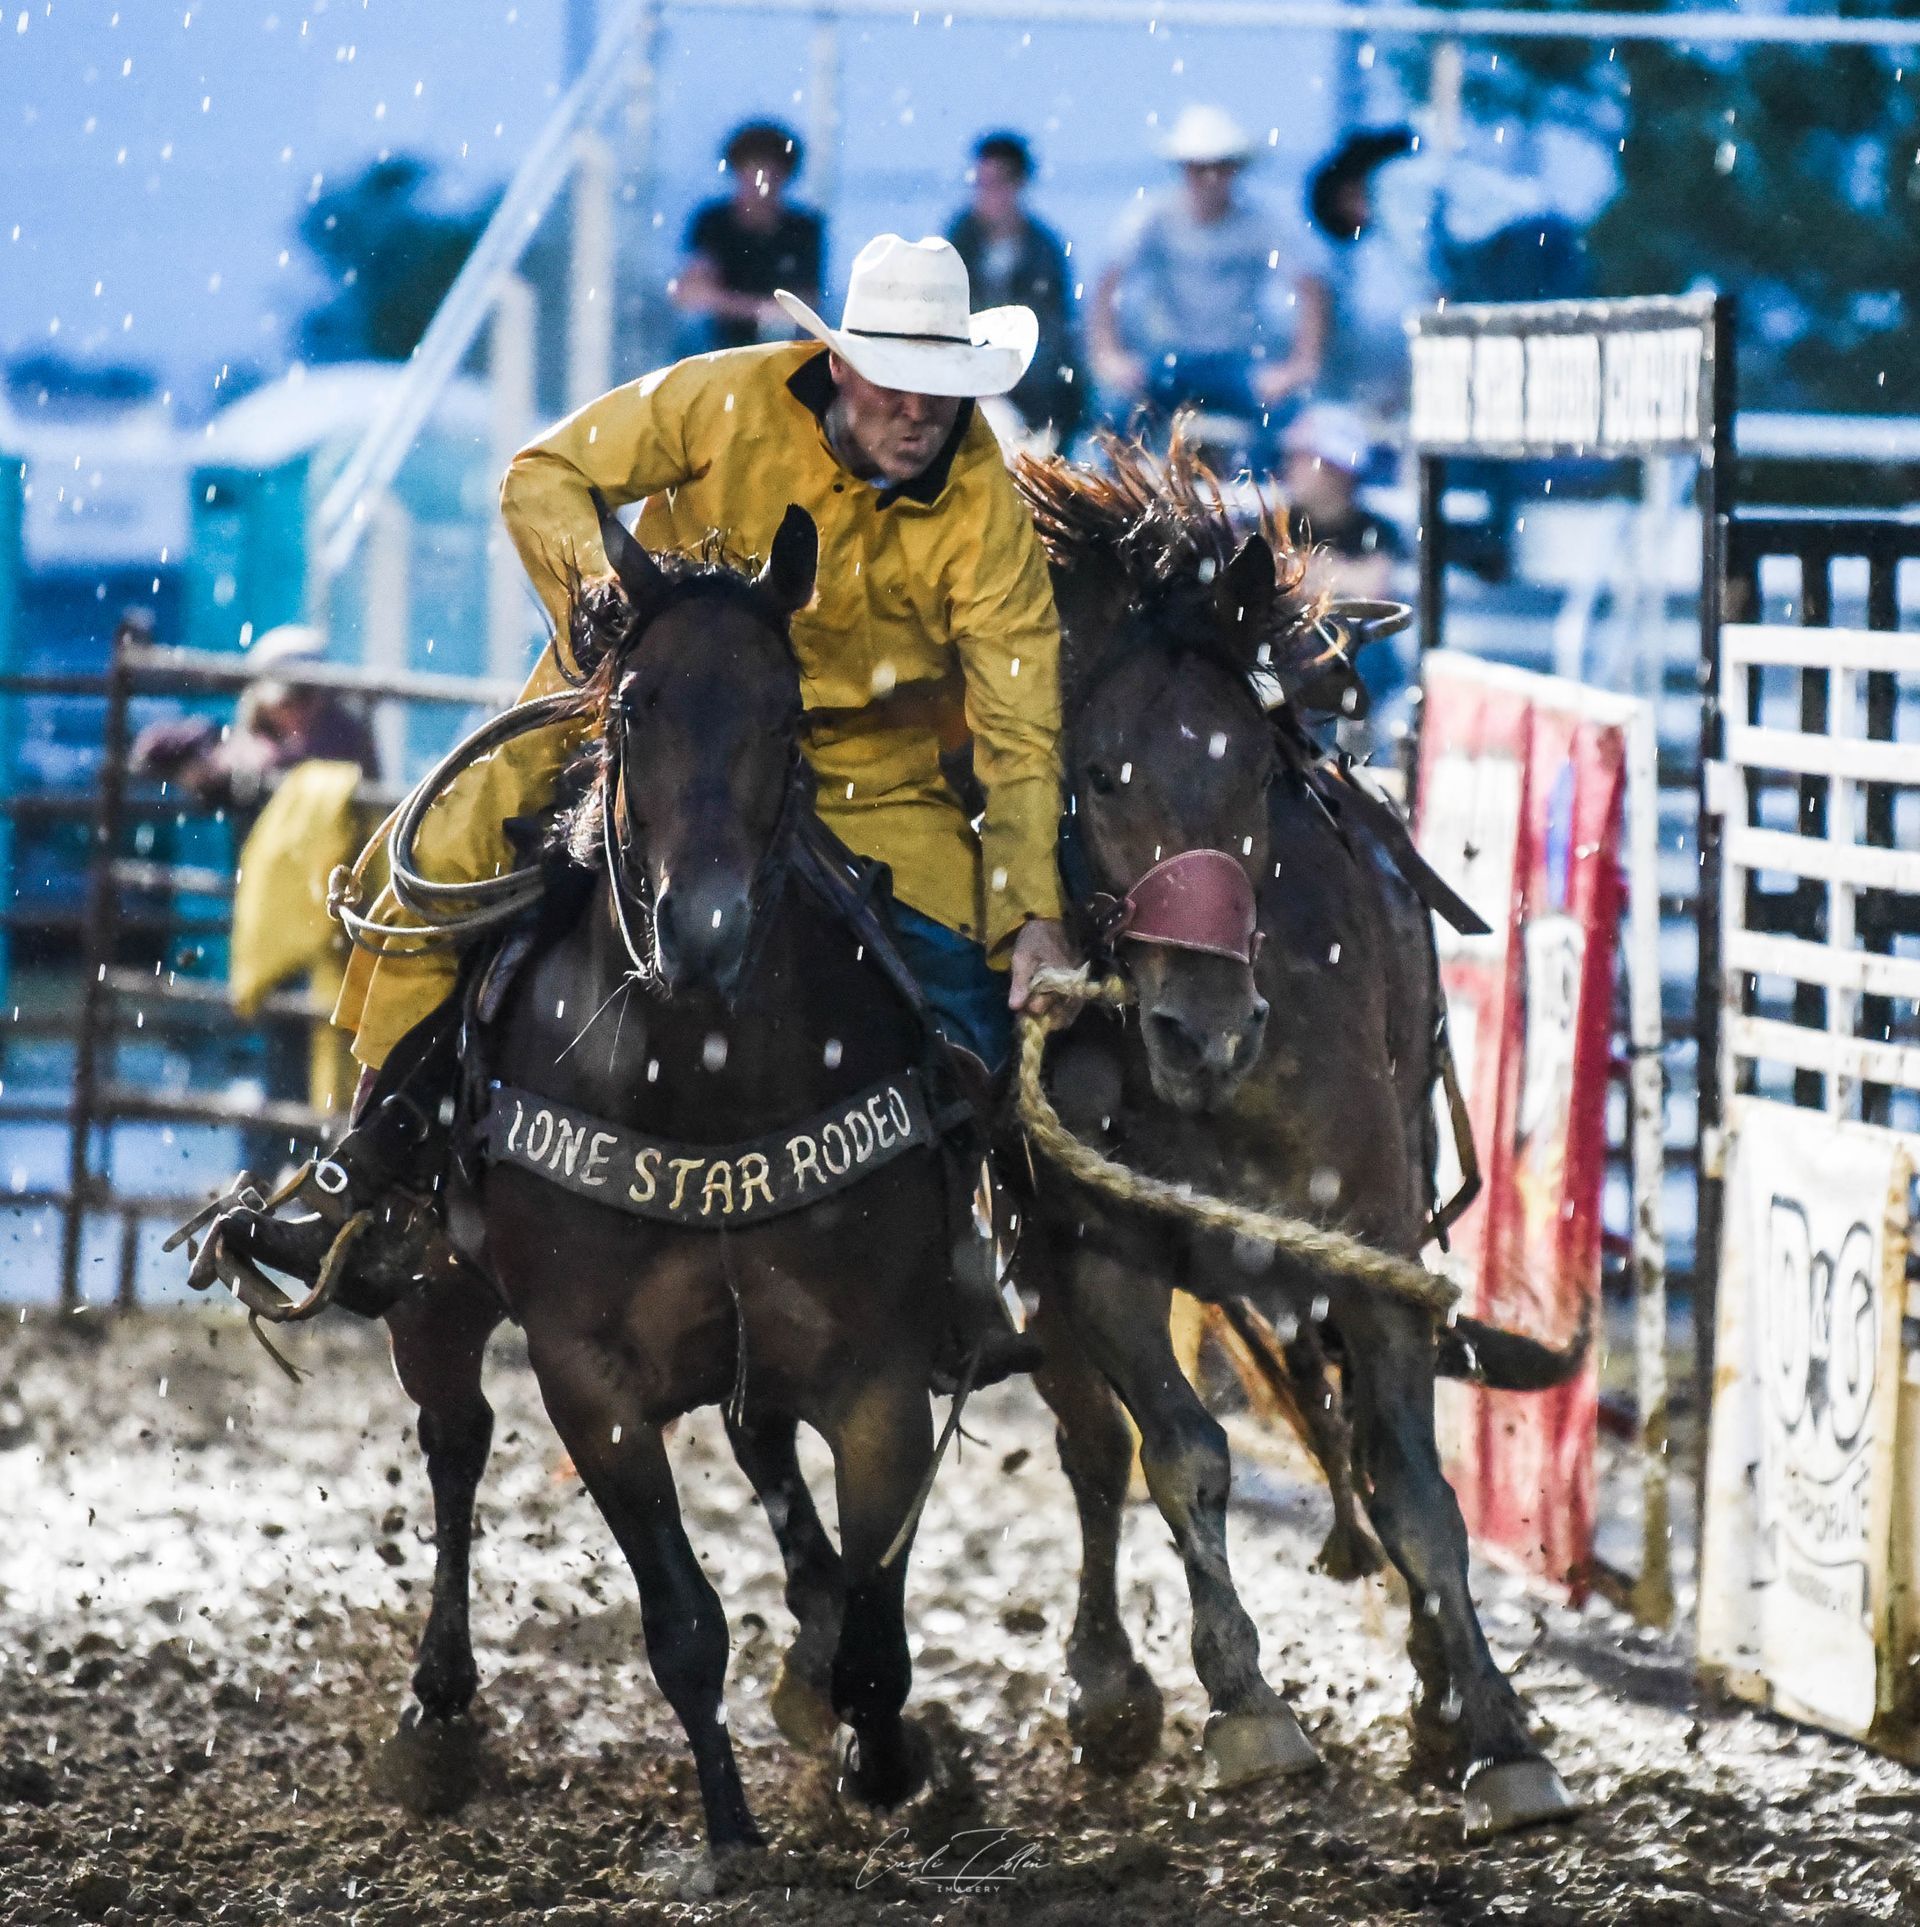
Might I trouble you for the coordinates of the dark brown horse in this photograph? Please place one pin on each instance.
(699, 996)
(1298, 1078)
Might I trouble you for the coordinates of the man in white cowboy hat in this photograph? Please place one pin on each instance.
(1212, 299)
(933, 625)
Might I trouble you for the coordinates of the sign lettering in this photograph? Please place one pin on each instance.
(708, 1186)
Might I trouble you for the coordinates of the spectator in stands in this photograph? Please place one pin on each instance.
(1326, 452)
(1354, 553)
(743, 245)
(1213, 300)
(1014, 259)
(1467, 226)
(1380, 271)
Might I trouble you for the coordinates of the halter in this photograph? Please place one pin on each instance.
(1197, 900)
(644, 969)
(627, 892)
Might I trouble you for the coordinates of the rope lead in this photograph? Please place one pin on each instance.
(1328, 1250)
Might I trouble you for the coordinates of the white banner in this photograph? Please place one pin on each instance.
(1794, 1573)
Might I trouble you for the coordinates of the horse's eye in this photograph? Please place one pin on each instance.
(1100, 779)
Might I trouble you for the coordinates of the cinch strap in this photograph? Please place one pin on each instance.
(705, 1187)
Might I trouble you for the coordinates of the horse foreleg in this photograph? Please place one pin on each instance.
(1122, 1317)
(1115, 1713)
(802, 1698)
(1467, 1714)
(882, 1442)
(439, 1339)
(622, 1460)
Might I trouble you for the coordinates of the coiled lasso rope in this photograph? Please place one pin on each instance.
(444, 913)
(1328, 1250)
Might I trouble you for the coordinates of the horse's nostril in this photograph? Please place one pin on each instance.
(1176, 1037)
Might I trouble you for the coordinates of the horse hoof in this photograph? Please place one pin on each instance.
(1514, 1794)
(1349, 1554)
(1240, 1747)
(884, 1776)
(802, 1711)
(1117, 1730)
(429, 1766)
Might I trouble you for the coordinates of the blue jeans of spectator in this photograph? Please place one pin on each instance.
(968, 999)
(1220, 384)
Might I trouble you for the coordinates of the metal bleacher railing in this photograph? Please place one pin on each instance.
(137, 908)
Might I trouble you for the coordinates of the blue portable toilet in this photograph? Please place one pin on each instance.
(263, 470)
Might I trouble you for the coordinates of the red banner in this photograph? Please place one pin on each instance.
(1520, 803)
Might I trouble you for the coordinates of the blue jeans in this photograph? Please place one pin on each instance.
(968, 999)
(1221, 384)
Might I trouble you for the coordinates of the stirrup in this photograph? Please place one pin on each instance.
(214, 1259)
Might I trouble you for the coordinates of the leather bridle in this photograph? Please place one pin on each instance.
(630, 892)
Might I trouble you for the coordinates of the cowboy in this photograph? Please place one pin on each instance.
(1213, 300)
(933, 627)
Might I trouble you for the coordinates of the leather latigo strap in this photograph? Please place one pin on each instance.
(707, 1187)
(1198, 900)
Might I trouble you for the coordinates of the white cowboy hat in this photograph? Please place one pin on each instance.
(1204, 136)
(288, 642)
(906, 324)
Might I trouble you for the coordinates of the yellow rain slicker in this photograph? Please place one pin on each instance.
(281, 929)
(933, 621)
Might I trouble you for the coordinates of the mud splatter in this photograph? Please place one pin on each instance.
(208, 1598)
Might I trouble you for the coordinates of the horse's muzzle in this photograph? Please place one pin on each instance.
(1197, 1066)
(703, 927)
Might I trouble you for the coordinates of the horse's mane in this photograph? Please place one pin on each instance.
(603, 625)
(1139, 544)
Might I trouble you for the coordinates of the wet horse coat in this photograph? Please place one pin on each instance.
(1298, 1077)
(737, 1009)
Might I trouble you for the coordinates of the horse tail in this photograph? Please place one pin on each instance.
(1506, 1361)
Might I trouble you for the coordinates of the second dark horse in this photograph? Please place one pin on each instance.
(1297, 1074)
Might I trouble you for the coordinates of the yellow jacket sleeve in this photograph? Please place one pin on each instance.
(628, 444)
(1008, 637)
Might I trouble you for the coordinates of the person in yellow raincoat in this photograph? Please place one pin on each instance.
(933, 623)
(287, 770)
(933, 627)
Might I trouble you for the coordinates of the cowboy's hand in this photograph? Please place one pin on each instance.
(1042, 945)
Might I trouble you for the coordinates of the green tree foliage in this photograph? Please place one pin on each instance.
(389, 256)
(1789, 176)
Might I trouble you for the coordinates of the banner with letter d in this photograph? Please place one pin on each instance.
(1521, 794)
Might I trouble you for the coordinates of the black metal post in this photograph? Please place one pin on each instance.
(97, 946)
(1431, 546)
(1716, 490)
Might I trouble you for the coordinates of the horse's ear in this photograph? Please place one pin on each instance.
(639, 574)
(1245, 589)
(793, 561)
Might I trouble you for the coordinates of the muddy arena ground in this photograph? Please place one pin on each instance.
(210, 1583)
